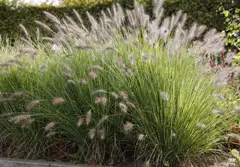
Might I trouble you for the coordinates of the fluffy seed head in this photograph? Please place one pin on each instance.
(218, 112)
(80, 121)
(123, 107)
(123, 95)
(101, 134)
(92, 74)
(140, 137)
(49, 126)
(128, 126)
(88, 117)
(32, 105)
(92, 133)
(95, 67)
(19, 118)
(201, 125)
(130, 104)
(237, 110)
(82, 81)
(58, 100)
(104, 100)
(165, 95)
(18, 95)
(115, 95)
(50, 134)
(147, 164)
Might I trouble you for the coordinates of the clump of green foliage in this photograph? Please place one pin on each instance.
(126, 86)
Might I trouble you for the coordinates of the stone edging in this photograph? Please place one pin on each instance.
(4, 162)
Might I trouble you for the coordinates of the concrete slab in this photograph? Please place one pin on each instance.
(5, 162)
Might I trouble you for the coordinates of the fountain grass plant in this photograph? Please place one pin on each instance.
(127, 87)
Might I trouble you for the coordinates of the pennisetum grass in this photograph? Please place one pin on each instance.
(128, 85)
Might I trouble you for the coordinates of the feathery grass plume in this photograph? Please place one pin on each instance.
(140, 137)
(15, 61)
(218, 112)
(27, 122)
(88, 117)
(32, 105)
(80, 121)
(128, 126)
(165, 95)
(95, 67)
(219, 96)
(50, 126)
(147, 164)
(51, 133)
(101, 134)
(19, 118)
(115, 95)
(233, 136)
(24, 30)
(123, 95)
(80, 20)
(201, 125)
(128, 73)
(237, 110)
(92, 133)
(132, 58)
(28, 50)
(82, 81)
(17, 95)
(92, 74)
(123, 107)
(99, 91)
(52, 17)
(57, 100)
(56, 48)
(105, 117)
(45, 26)
(68, 74)
(103, 100)
(5, 64)
(130, 104)
(71, 82)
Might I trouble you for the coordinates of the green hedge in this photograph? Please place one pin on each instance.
(201, 11)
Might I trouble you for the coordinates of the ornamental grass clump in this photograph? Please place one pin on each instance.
(128, 86)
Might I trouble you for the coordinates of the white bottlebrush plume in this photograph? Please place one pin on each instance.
(123, 107)
(95, 67)
(117, 24)
(92, 133)
(32, 105)
(80, 121)
(52, 17)
(24, 30)
(57, 100)
(92, 74)
(101, 134)
(128, 126)
(50, 126)
(140, 137)
(218, 112)
(201, 125)
(19, 118)
(88, 117)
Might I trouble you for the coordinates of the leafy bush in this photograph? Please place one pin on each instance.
(115, 90)
(232, 22)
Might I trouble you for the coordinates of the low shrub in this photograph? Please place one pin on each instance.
(113, 91)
